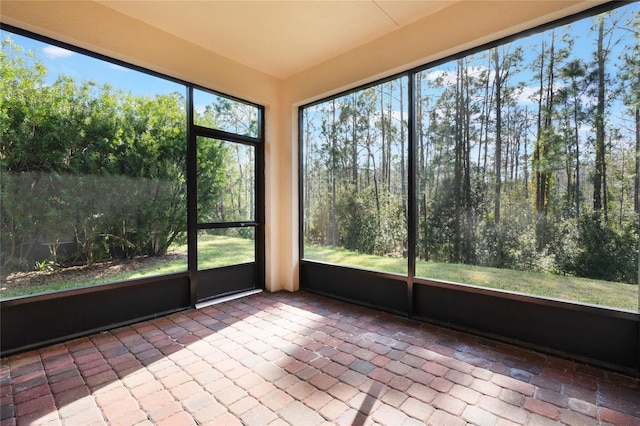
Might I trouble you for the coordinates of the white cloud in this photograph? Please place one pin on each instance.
(446, 76)
(117, 67)
(528, 95)
(54, 52)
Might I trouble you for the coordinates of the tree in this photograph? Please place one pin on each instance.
(104, 172)
(575, 72)
(630, 88)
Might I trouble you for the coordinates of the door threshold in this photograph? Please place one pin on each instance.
(227, 298)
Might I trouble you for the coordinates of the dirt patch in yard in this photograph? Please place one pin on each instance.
(102, 270)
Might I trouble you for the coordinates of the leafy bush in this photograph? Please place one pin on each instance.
(89, 172)
(603, 251)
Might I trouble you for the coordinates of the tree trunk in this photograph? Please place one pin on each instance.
(334, 224)
(598, 175)
(498, 153)
(354, 144)
(636, 188)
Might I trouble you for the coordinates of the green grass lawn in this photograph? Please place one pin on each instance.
(597, 292)
(215, 251)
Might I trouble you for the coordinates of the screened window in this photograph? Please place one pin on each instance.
(526, 160)
(526, 157)
(94, 172)
(226, 114)
(355, 178)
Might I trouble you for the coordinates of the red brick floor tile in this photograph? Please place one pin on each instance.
(422, 392)
(502, 409)
(94, 368)
(400, 383)
(512, 397)
(300, 390)
(614, 417)
(343, 358)
(286, 381)
(286, 359)
(478, 416)
(258, 415)
(333, 410)
(101, 379)
(417, 409)
(155, 400)
(442, 418)
(226, 419)
(38, 373)
(297, 413)
(381, 375)
(145, 389)
(380, 361)
(572, 418)
(31, 393)
(218, 385)
(73, 381)
(394, 398)
(127, 418)
(308, 372)
(230, 394)
(164, 411)
(72, 395)
(543, 408)
(435, 368)
(465, 394)
(317, 400)
(353, 417)
(334, 369)
(209, 413)
(43, 403)
(185, 390)
(29, 384)
(342, 391)
(552, 397)
(386, 414)
(243, 405)
(260, 390)
(449, 404)
(37, 419)
(486, 387)
(112, 396)
(441, 385)
(513, 384)
(171, 381)
(323, 381)
(91, 416)
(77, 407)
(583, 407)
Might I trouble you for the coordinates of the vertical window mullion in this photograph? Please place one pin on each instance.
(411, 191)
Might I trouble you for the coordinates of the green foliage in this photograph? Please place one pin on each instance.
(364, 229)
(602, 251)
(504, 158)
(89, 172)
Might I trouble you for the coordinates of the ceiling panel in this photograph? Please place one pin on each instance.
(280, 38)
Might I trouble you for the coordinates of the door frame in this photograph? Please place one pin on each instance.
(224, 273)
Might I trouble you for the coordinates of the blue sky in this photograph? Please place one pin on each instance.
(81, 67)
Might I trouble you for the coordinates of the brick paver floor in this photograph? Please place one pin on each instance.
(301, 359)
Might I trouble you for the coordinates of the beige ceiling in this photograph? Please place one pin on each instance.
(280, 38)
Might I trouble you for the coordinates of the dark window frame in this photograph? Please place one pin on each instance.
(192, 130)
(412, 218)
